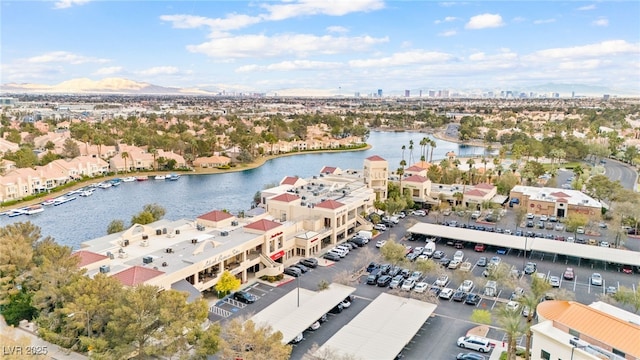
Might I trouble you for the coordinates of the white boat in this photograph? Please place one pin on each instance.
(160, 177)
(86, 193)
(173, 177)
(34, 209)
(129, 179)
(63, 199)
(17, 212)
(105, 185)
(48, 202)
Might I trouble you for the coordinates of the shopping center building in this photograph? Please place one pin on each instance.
(297, 218)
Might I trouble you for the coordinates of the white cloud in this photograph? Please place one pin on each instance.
(601, 22)
(160, 70)
(484, 21)
(544, 21)
(291, 66)
(65, 57)
(314, 7)
(337, 29)
(299, 45)
(448, 33)
(581, 65)
(587, 7)
(446, 19)
(64, 4)
(110, 70)
(518, 19)
(605, 48)
(403, 58)
(477, 56)
(231, 22)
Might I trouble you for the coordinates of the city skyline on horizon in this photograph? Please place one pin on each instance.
(340, 47)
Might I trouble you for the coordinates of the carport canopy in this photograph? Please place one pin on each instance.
(618, 256)
(381, 330)
(300, 308)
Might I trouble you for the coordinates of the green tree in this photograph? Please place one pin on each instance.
(227, 283)
(481, 316)
(142, 218)
(125, 156)
(629, 296)
(70, 149)
(115, 226)
(244, 339)
(575, 220)
(393, 252)
(156, 210)
(511, 323)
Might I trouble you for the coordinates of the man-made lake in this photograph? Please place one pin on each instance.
(192, 195)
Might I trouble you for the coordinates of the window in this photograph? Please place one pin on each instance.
(574, 333)
(545, 355)
(619, 353)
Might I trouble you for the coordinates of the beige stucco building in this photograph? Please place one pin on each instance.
(556, 202)
(376, 175)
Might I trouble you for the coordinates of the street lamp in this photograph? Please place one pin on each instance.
(87, 316)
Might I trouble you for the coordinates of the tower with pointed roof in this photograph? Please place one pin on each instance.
(376, 175)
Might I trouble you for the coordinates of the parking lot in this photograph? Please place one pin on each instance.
(436, 339)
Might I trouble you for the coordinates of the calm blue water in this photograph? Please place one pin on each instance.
(87, 218)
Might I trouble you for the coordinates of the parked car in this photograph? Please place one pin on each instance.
(496, 260)
(442, 280)
(512, 305)
(380, 227)
(380, 243)
(466, 286)
(474, 343)
(384, 280)
(438, 254)
(568, 274)
(292, 271)
(421, 287)
(480, 247)
(465, 266)
(470, 356)
(336, 309)
(454, 264)
(408, 285)
(372, 266)
(446, 293)
(419, 213)
(309, 262)
(482, 262)
(331, 256)
(416, 275)
(611, 290)
(396, 281)
(530, 268)
(315, 326)
(458, 255)
(554, 281)
(244, 297)
(302, 268)
(596, 279)
(346, 303)
(459, 296)
(627, 269)
(580, 230)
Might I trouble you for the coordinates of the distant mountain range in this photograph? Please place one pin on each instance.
(131, 87)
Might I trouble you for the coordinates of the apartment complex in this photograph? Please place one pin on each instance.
(299, 218)
(571, 330)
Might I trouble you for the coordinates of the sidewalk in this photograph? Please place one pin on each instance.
(17, 339)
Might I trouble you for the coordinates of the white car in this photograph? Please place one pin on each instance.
(596, 279)
(554, 281)
(381, 227)
(421, 287)
(530, 216)
(466, 286)
(465, 266)
(458, 255)
(380, 243)
(543, 218)
(315, 326)
(512, 306)
(476, 214)
(442, 280)
(604, 243)
(408, 285)
(446, 293)
(580, 230)
(419, 213)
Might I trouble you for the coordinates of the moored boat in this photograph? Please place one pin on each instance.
(173, 177)
(142, 178)
(160, 177)
(17, 212)
(105, 185)
(115, 182)
(129, 179)
(34, 209)
(86, 193)
(63, 199)
(48, 202)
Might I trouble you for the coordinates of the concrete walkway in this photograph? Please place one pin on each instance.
(16, 341)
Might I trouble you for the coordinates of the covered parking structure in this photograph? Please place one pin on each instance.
(381, 330)
(300, 308)
(529, 244)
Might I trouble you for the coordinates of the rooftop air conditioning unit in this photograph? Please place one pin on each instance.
(144, 243)
(194, 241)
(105, 269)
(145, 237)
(234, 223)
(169, 250)
(224, 233)
(147, 260)
(110, 255)
(165, 264)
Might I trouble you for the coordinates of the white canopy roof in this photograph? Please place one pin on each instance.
(382, 329)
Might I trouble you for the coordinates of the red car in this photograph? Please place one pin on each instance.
(480, 247)
(568, 274)
(627, 269)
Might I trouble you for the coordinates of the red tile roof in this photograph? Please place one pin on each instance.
(475, 192)
(328, 170)
(559, 194)
(263, 225)
(88, 257)
(375, 158)
(330, 204)
(413, 168)
(484, 186)
(286, 197)
(136, 275)
(416, 179)
(422, 164)
(289, 180)
(215, 215)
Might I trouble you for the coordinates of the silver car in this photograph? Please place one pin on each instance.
(596, 279)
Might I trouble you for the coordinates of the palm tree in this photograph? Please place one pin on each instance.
(511, 323)
(411, 151)
(404, 147)
(400, 173)
(433, 146)
(471, 164)
(423, 143)
(125, 155)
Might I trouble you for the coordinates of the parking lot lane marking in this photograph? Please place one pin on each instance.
(589, 287)
(604, 286)
(575, 282)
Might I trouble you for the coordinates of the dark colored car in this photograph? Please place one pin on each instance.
(472, 299)
(385, 268)
(292, 271)
(384, 280)
(309, 262)
(244, 297)
(459, 296)
(530, 268)
(470, 356)
(337, 309)
(405, 273)
(438, 254)
(482, 262)
(331, 256)
(445, 262)
(372, 266)
(302, 268)
(395, 271)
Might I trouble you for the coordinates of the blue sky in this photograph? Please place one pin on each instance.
(343, 46)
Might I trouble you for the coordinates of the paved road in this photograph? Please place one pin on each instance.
(616, 170)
